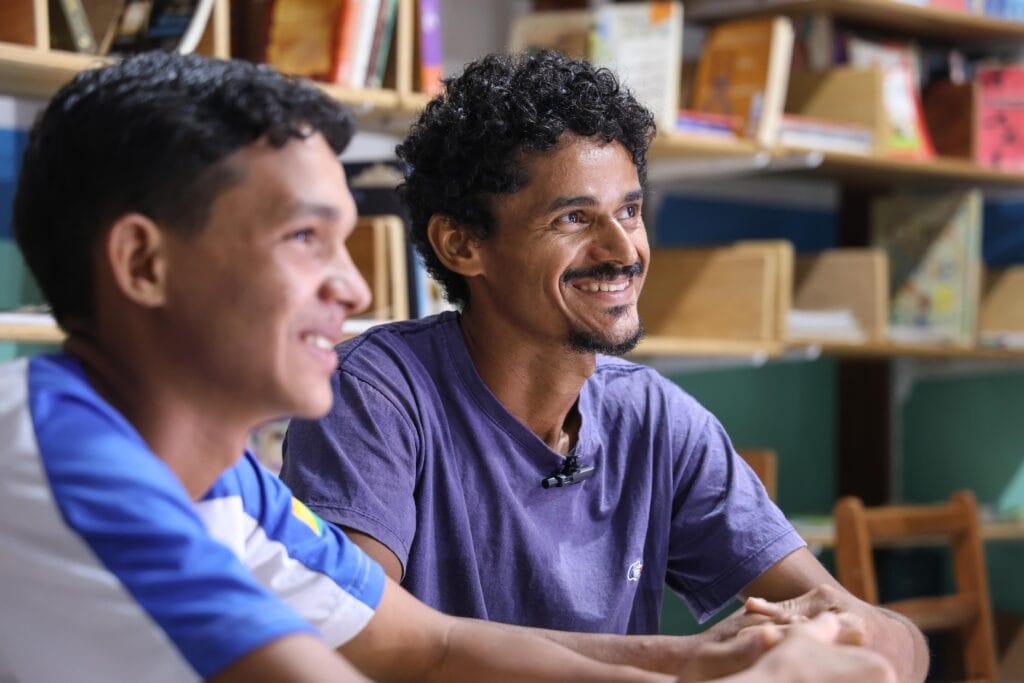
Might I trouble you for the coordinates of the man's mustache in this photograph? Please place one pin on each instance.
(603, 271)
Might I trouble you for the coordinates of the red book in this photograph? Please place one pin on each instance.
(344, 41)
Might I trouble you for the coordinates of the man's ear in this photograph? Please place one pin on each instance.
(454, 245)
(137, 255)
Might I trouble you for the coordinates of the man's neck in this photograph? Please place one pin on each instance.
(197, 443)
(539, 383)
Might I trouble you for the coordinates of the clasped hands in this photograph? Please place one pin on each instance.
(814, 637)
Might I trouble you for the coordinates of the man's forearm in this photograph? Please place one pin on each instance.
(665, 654)
(526, 657)
(902, 643)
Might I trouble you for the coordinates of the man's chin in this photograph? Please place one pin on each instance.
(586, 341)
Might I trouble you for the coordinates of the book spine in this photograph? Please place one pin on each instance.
(78, 26)
(382, 47)
(196, 26)
(368, 11)
(431, 69)
(344, 42)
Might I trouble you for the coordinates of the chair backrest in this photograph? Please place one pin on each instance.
(764, 462)
(967, 612)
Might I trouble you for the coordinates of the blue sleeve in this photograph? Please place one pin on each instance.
(137, 519)
(726, 532)
(310, 564)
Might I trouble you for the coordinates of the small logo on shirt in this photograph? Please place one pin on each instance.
(306, 516)
(635, 570)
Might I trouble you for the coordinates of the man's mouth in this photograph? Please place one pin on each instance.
(603, 286)
(604, 277)
(318, 341)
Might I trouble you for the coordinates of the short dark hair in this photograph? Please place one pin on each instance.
(469, 141)
(147, 134)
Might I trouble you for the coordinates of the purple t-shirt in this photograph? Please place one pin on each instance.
(419, 454)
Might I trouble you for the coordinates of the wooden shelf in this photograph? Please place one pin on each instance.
(30, 72)
(947, 171)
(694, 154)
(45, 333)
(711, 348)
(892, 15)
(896, 350)
(49, 333)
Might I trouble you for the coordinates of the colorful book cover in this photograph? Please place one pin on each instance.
(934, 248)
(744, 71)
(642, 42)
(381, 49)
(908, 134)
(1000, 111)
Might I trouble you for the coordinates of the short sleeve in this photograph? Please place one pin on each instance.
(726, 532)
(110, 537)
(356, 467)
(328, 580)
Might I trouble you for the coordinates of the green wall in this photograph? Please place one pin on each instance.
(966, 431)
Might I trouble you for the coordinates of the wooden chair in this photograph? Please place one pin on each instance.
(967, 612)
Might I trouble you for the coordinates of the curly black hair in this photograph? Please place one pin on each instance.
(469, 141)
(148, 135)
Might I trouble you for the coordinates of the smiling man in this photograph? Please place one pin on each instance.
(186, 219)
(501, 461)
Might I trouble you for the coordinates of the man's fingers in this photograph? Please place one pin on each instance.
(852, 629)
(718, 659)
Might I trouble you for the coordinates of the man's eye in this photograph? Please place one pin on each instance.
(630, 211)
(304, 235)
(572, 217)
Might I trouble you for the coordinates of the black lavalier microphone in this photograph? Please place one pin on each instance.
(571, 472)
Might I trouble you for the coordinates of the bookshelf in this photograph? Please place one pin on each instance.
(29, 68)
(902, 17)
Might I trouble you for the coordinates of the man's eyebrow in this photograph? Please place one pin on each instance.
(590, 200)
(304, 209)
(563, 202)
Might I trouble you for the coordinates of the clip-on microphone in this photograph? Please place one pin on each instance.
(571, 472)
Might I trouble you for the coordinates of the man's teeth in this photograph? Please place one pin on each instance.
(319, 341)
(605, 287)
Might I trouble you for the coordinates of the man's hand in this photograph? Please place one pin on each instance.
(712, 660)
(886, 632)
(807, 651)
(757, 611)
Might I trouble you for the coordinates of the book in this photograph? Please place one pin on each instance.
(343, 41)
(744, 71)
(301, 37)
(431, 67)
(363, 43)
(383, 34)
(826, 135)
(103, 16)
(176, 25)
(1000, 117)
(908, 136)
(933, 244)
(721, 126)
(641, 42)
(565, 31)
(70, 28)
